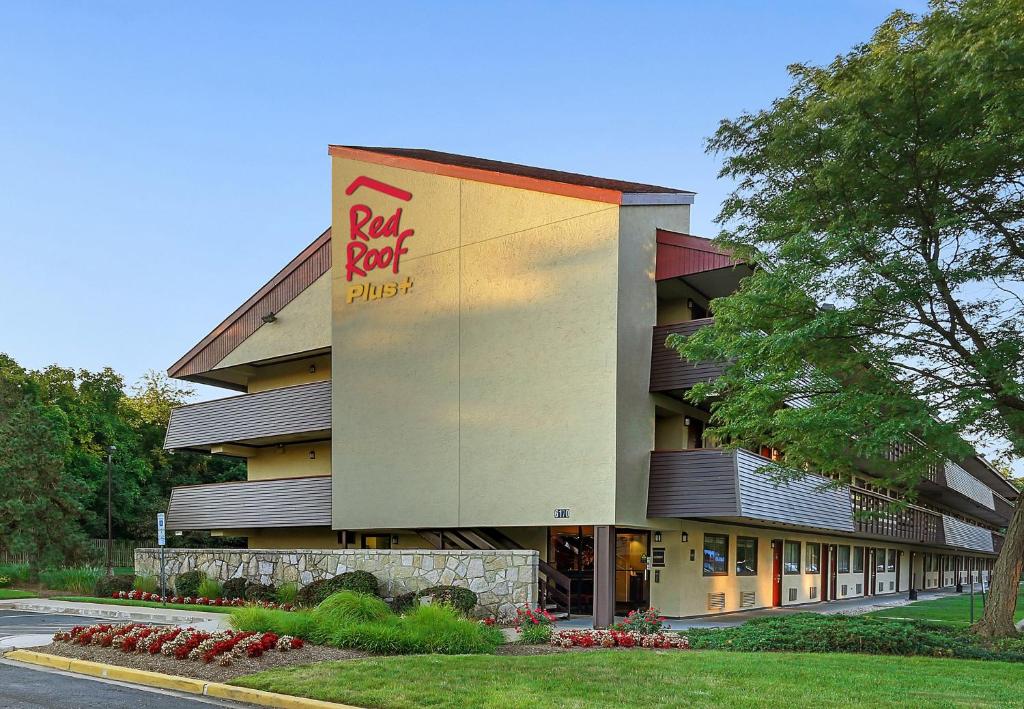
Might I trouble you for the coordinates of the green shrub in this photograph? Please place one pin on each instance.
(403, 602)
(235, 588)
(440, 629)
(261, 592)
(5, 581)
(459, 598)
(348, 607)
(262, 620)
(811, 632)
(149, 584)
(17, 573)
(287, 592)
(187, 584)
(530, 634)
(78, 580)
(105, 586)
(314, 594)
(210, 588)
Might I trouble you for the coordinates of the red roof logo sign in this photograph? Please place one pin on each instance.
(365, 251)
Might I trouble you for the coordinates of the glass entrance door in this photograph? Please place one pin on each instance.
(632, 585)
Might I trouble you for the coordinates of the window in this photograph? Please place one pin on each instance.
(890, 563)
(843, 560)
(813, 558)
(880, 561)
(746, 556)
(858, 560)
(716, 554)
(791, 558)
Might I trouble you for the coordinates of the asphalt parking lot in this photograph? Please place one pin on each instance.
(29, 687)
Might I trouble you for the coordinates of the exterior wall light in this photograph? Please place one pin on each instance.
(686, 421)
(312, 455)
(657, 536)
(394, 539)
(686, 537)
(312, 368)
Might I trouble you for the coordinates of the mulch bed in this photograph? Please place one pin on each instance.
(211, 672)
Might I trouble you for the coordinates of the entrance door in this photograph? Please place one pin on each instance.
(833, 572)
(869, 573)
(899, 565)
(825, 572)
(632, 580)
(776, 572)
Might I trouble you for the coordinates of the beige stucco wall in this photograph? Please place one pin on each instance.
(284, 374)
(486, 394)
(683, 589)
(302, 326)
(636, 316)
(292, 461)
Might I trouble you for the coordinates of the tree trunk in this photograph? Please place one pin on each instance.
(997, 621)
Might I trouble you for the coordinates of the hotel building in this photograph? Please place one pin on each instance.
(473, 357)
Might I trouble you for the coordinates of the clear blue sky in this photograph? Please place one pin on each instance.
(160, 161)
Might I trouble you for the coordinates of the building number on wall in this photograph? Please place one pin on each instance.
(561, 513)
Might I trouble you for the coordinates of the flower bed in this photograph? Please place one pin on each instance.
(618, 638)
(179, 643)
(198, 601)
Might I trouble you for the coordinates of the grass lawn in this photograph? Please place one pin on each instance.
(9, 594)
(147, 604)
(610, 678)
(955, 610)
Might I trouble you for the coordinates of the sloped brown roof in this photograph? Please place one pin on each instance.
(473, 167)
(299, 274)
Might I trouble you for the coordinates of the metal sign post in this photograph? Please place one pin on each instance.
(161, 540)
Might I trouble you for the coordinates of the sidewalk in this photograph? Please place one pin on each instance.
(848, 606)
(121, 614)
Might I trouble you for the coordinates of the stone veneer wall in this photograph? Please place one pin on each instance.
(503, 580)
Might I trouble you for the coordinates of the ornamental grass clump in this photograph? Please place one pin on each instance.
(210, 588)
(79, 580)
(363, 622)
(348, 607)
(148, 584)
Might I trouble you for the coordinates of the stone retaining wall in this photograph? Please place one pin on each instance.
(502, 580)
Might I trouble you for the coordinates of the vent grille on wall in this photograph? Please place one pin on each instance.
(844, 589)
(860, 589)
(716, 601)
(747, 599)
(814, 592)
(792, 594)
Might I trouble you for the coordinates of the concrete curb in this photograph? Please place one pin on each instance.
(172, 682)
(109, 611)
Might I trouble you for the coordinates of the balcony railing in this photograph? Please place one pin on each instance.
(668, 371)
(294, 413)
(733, 485)
(876, 515)
(284, 502)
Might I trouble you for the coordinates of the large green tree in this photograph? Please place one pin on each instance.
(39, 504)
(881, 202)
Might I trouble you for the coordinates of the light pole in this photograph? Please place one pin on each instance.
(110, 527)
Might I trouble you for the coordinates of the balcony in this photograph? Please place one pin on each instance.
(285, 415)
(668, 371)
(285, 502)
(730, 486)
